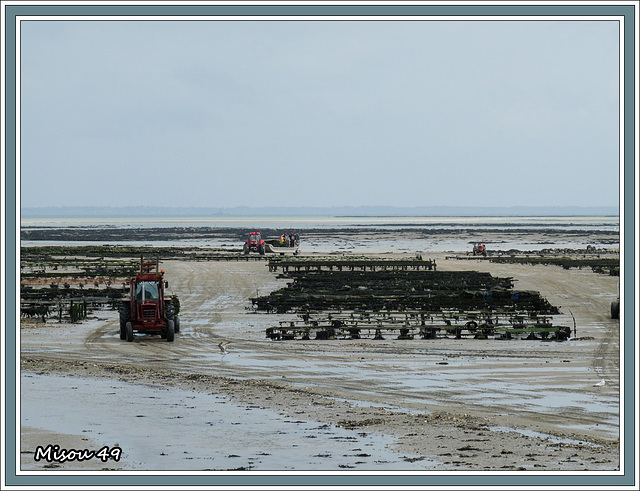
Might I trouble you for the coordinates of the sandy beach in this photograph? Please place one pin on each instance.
(326, 405)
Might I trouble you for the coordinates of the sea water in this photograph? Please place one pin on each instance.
(610, 223)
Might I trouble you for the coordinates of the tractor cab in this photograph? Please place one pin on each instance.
(147, 288)
(147, 294)
(147, 291)
(255, 238)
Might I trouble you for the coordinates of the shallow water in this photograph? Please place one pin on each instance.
(412, 379)
(307, 222)
(172, 429)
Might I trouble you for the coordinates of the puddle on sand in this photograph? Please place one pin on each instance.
(172, 429)
(540, 393)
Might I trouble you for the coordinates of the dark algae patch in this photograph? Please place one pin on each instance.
(239, 234)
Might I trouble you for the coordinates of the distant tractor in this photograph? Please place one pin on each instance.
(479, 249)
(147, 310)
(254, 243)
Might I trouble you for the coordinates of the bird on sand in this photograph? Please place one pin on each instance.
(223, 347)
(600, 384)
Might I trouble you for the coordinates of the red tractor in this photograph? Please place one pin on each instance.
(479, 249)
(254, 243)
(147, 310)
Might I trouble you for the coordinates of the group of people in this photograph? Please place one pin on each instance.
(289, 239)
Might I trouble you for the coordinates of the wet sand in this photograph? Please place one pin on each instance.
(441, 404)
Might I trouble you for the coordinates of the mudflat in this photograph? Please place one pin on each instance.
(340, 404)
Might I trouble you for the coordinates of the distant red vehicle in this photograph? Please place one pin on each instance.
(254, 243)
(147, 310)
(479, 249)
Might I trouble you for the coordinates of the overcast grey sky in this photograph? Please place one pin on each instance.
(319, 113)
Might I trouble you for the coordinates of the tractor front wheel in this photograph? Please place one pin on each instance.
(170, 331)
(176, 321)
(129, 329)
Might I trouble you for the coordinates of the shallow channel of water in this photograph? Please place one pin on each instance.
(172, 429)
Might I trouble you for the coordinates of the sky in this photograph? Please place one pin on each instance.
(319, 113)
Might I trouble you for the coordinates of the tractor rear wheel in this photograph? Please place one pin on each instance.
(129, 329)
(170, 331)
